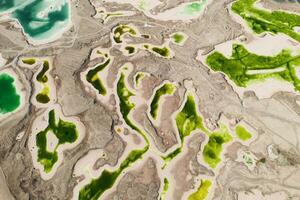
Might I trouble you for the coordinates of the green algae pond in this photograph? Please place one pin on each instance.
(10, 99)
(138, 78)
(178, 38)
(165, 89)
(130, 49)
(95, 189)
(120, 31)
(66, 132)
(163, 51)
(165, 189)
(126, 106)
(214, 147)
(39, 27)
(29, 61)
(244, 67)
(260, 20)
(202, 191)
(93, 77)
(187, 121)
(242, 133)
(43, 96)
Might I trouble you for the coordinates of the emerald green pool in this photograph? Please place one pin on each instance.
(165, 89)
(66, 132)
(267, 21)
(10, 100)
(241, 62)
(36, 26)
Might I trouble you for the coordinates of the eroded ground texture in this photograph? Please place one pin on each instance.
(150, 100)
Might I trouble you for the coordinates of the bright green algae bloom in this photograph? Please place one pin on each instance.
(93, 78)
(242, 133)
(43, 96)
(212, 150)
(202, 191)
(10, 100)
(187, 120)
(106, 180)
(165, 189)
(120, 31)
(65, 132)
(242, 61)
(166, 89)
(36, 26)
(266, 21)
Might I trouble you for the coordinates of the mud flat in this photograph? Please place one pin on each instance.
(2, 61)
(4, 190)
(184, 11)
(102, 13)
(51, 134)
(41, 21)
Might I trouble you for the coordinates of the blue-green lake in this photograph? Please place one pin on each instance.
(41, 20)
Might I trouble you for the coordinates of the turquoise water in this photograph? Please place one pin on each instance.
(9, 98)
(41, 20)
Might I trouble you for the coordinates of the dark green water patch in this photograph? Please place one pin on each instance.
(66, 132)
(162, 51)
